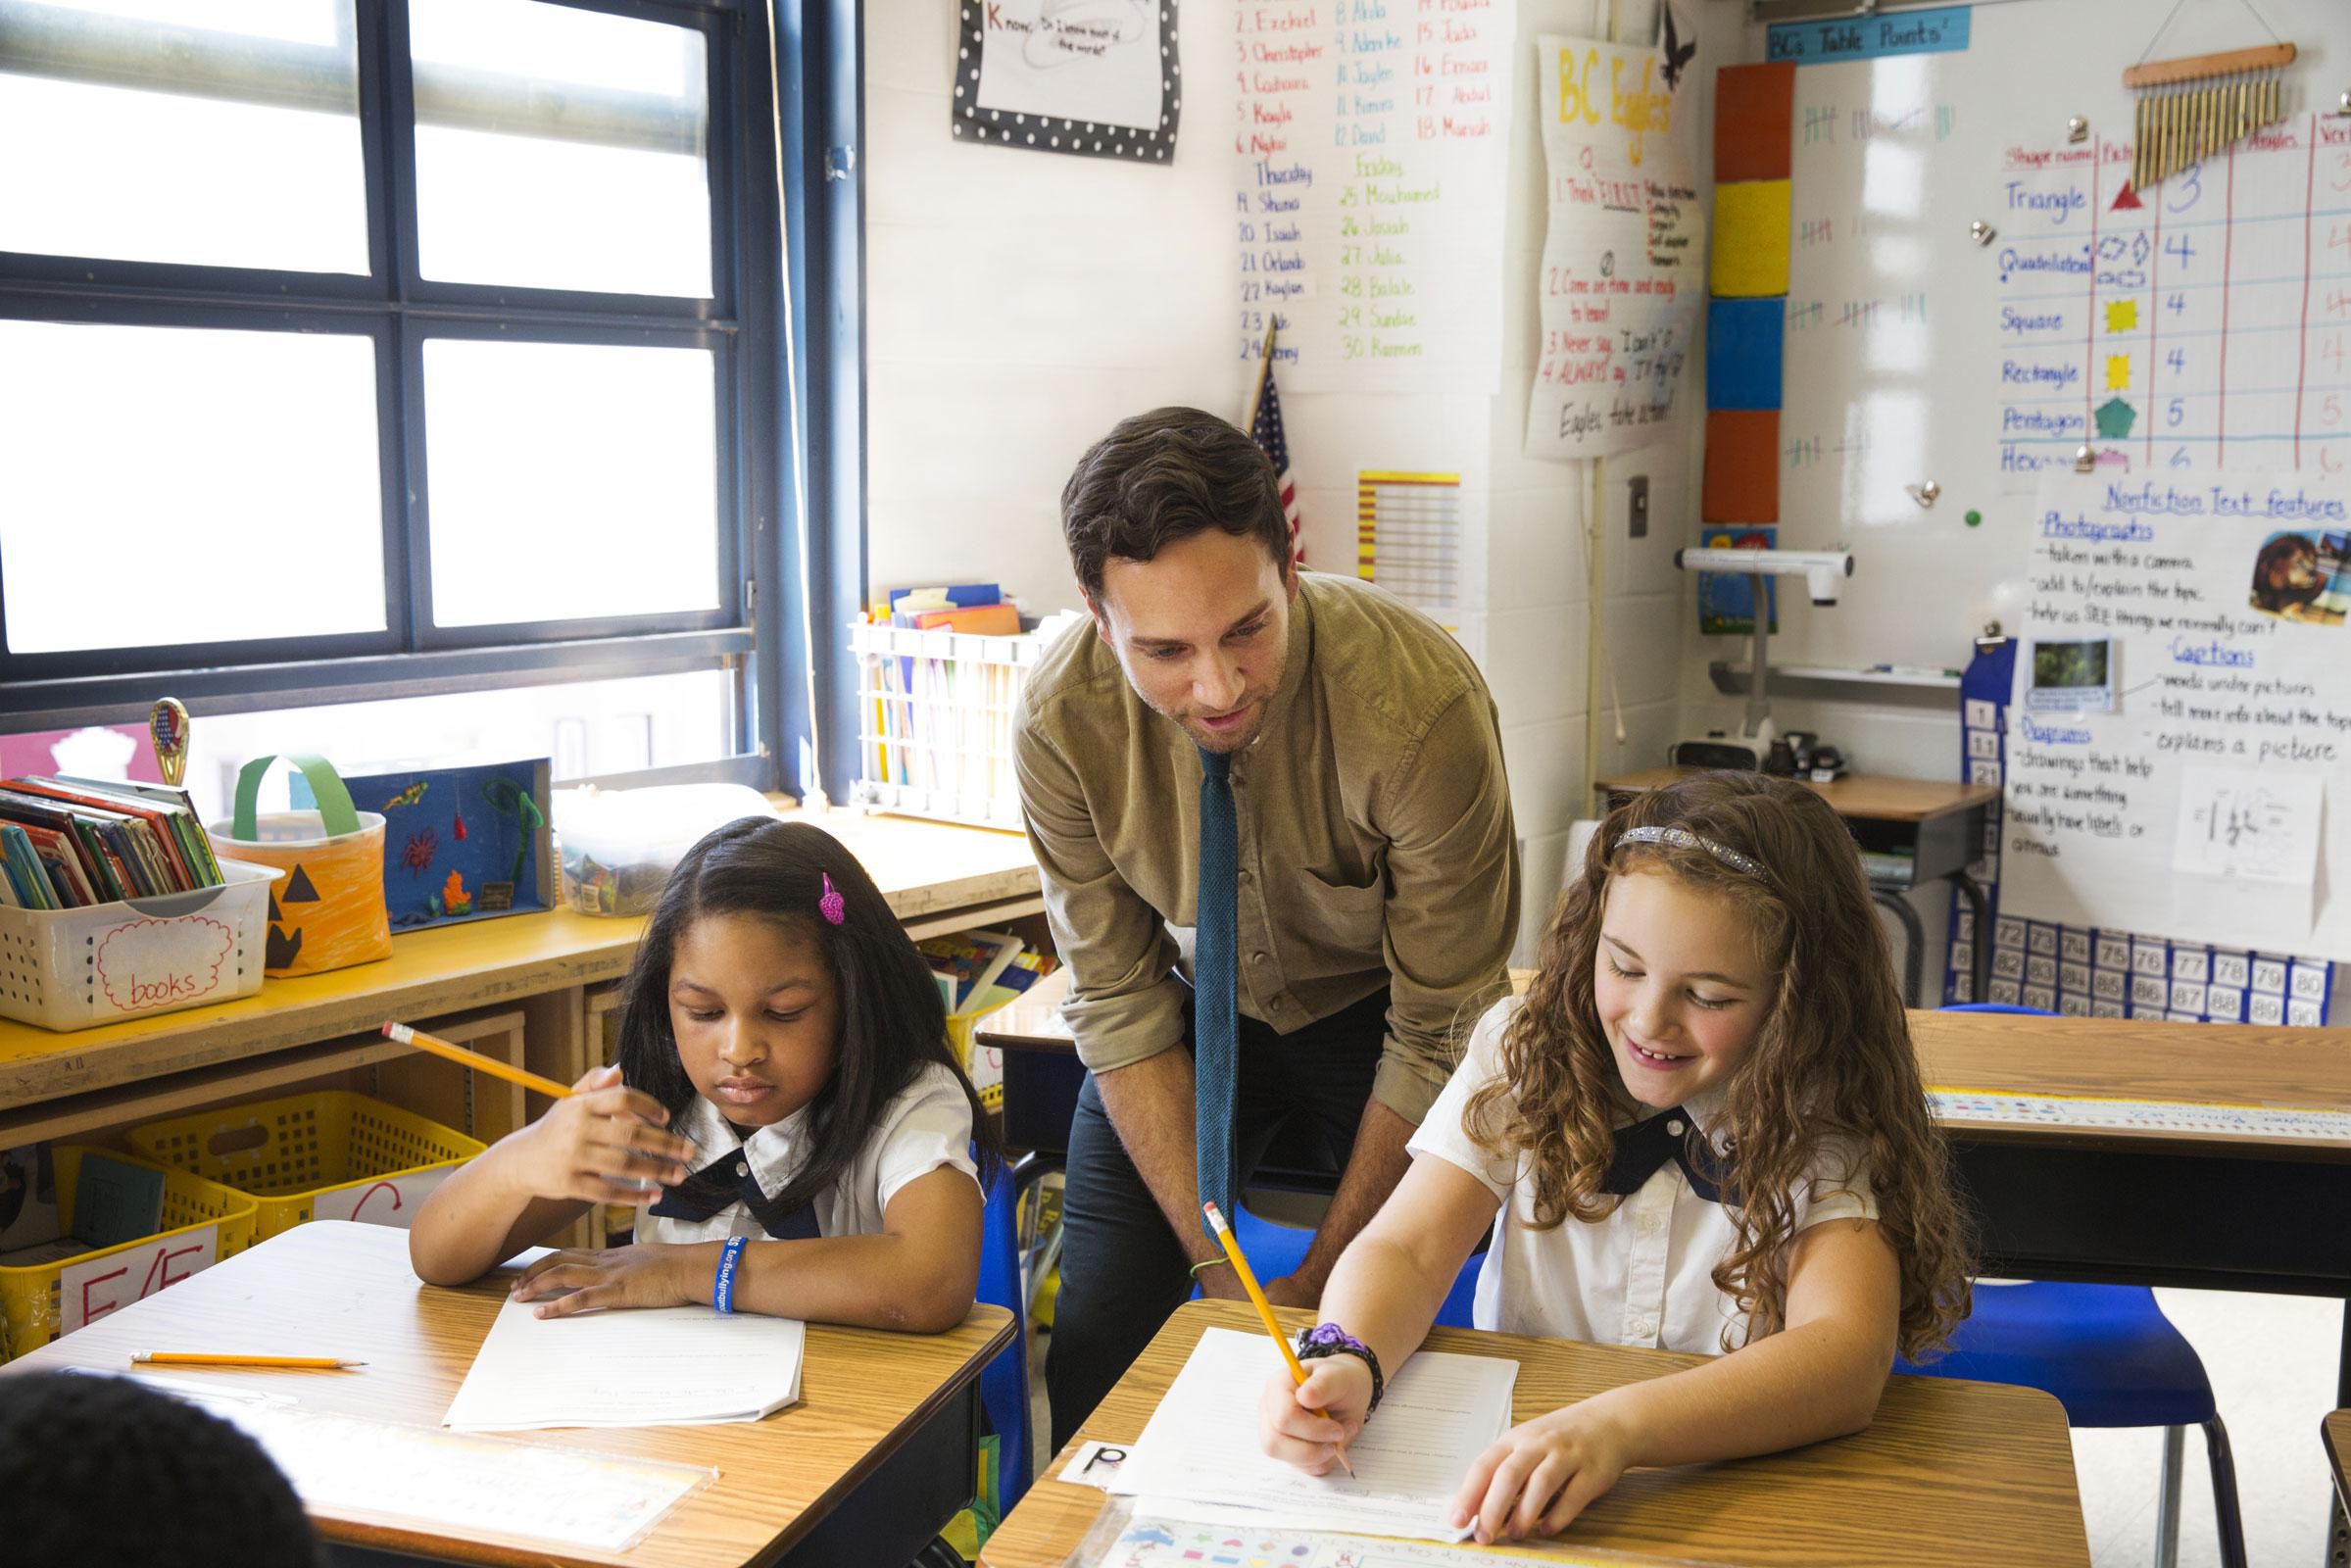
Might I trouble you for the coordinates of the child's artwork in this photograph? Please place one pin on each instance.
(460, 843)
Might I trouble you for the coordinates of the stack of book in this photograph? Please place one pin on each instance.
(979, 971)
(69, 843)
(978, 607)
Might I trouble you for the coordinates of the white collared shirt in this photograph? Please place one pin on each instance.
(927, 1126)
(1643, 1275)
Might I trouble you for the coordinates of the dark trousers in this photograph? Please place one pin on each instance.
(1296, 1102)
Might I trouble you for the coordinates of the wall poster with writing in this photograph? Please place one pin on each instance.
(1368, 167)
(1100, 79)
(1624, 258)
(2198, 809)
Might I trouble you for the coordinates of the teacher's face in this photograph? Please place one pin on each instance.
(1202, 631)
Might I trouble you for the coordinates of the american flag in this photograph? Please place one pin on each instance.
(1265, 429)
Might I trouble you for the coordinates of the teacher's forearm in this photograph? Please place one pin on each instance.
(1150, 1105)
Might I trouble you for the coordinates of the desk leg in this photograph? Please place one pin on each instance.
(1914, 942)
(1980, 950)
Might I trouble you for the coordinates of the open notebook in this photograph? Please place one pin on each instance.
(669, 1366)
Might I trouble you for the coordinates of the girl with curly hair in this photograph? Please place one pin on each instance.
(1702, 1129)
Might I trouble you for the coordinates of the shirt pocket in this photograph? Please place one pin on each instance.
(1337, 928)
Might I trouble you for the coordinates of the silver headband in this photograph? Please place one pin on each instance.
(1683, 838)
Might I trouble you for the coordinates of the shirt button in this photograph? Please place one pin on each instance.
(1645, 1328)
(1650, 1224)
(1245, 873)
(1674, 1126)
(742, 1169)
(1256, 957)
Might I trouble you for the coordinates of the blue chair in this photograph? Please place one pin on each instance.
(1004, 1380)
(1274, 1251)
(2112, 1359)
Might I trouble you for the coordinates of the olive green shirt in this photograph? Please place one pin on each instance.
(1377, 847)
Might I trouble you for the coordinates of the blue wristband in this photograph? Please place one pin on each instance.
(722, 1289)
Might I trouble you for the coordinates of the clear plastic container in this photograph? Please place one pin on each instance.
(618, 847)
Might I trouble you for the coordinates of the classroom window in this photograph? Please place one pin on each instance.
(355, 350)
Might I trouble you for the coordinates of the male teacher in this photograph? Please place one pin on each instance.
(1302, 775)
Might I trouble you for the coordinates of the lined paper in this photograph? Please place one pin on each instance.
(1441, 1412)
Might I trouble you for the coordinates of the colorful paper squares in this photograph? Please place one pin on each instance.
(1743, 339)
(2122, 316)
(1750, 239)
(1754, 122)
(1742, 467)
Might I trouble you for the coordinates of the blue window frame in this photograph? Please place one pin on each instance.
(786, 403)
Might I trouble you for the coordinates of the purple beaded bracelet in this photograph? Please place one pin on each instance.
(1329, 1338)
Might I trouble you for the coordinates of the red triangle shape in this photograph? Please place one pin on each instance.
(2125, 199)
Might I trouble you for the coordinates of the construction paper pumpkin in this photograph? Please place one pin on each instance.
(328, 912)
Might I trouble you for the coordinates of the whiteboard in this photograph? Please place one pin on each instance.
(1895, 360)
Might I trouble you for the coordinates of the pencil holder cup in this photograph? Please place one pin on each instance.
(329, 912)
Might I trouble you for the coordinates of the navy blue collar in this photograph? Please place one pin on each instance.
(1642, 1150)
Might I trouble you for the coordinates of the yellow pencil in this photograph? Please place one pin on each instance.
(1257, 1296)
(474, 1059)
(206, 1359)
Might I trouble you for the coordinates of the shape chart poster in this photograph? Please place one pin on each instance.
(2206, 806)
(1624, 258)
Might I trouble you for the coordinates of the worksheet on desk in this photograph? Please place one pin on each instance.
(667, 1367)
(1440, 1411)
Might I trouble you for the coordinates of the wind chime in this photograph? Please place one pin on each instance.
(2195, 106)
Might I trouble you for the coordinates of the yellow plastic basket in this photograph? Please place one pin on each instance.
(284, 1154)
(31, 1304)
(960, 1027)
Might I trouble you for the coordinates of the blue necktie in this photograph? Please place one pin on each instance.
(1215, 981)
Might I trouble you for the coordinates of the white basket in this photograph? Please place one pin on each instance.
(72, 968)
(935, 721)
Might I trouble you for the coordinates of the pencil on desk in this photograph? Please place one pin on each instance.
(475, 1059)
(208, 1359)
(1257, 1296)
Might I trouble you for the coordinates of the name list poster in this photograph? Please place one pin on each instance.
(1369, 210)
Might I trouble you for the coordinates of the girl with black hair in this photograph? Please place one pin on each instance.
(786, 1101)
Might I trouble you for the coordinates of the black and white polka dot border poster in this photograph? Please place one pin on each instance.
(1028, 73)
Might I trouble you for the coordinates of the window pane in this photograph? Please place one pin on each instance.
(210, 132)
(177, 485)
(570, 480)
(559, 149)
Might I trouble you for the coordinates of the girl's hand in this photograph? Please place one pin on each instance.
(603, 1145)
(1307, 1424)
(649, 1275)
(1540, 1475)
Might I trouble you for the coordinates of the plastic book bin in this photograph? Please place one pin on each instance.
(72, 968)
(359, 1158)
(203, 1223)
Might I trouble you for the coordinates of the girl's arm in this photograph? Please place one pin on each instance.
(919, 1274)
(1385, 1291)
(596, 1146)
(1817, 1378)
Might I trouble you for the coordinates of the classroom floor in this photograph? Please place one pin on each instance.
(2271, 1360)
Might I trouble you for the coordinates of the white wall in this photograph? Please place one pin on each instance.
(1018, 304)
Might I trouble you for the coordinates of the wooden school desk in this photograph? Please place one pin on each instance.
(2335, 1432)
(2242, 1212)
(872, 1463)
(1938, 825)
(936, 877)
(1949, 1471)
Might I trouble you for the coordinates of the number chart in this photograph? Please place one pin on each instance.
(1368, 164)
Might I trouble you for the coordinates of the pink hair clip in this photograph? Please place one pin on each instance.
(832, 905)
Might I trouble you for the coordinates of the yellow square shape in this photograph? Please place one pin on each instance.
(2122, 316)
(2118, 372)
(1750, 239)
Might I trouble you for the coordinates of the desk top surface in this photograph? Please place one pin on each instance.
(1856, 794)
(1945, 1462)
(862, 1391)
(2140, 1059)
(2335, 1431)
(922, 867)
